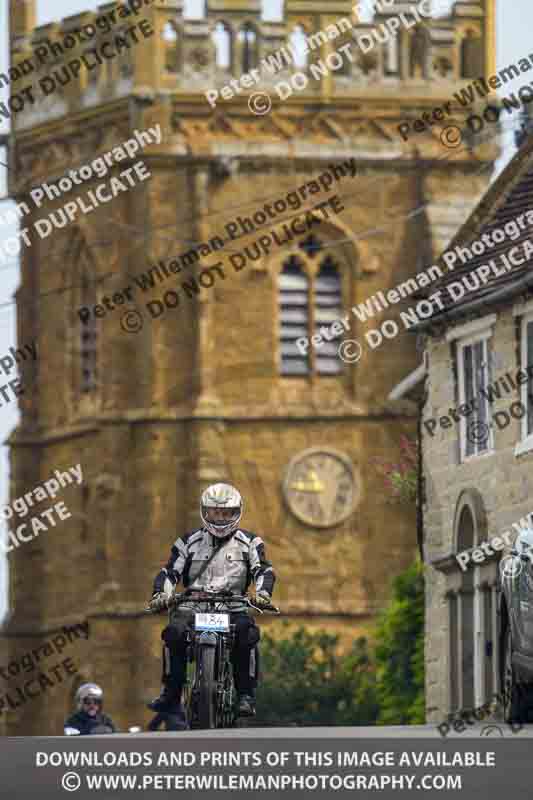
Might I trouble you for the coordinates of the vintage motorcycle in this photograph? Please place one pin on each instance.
(210, 699)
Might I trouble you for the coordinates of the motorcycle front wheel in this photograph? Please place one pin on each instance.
(207, 687)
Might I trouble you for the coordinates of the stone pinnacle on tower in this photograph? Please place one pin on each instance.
(22, 19)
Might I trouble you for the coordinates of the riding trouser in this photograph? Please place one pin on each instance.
(243, 657)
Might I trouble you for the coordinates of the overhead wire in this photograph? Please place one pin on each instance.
(338, 242)
(237, 206)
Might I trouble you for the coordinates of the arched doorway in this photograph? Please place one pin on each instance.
(472, 604)
(466, 628)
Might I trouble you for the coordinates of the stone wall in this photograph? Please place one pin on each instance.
(503, 480)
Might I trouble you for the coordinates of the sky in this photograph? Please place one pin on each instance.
(513, 40)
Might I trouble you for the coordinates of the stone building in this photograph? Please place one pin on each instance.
(477, 442)
(156, 404)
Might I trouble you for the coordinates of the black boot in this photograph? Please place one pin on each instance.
(246, 705)
(168, 701)
(173, 677)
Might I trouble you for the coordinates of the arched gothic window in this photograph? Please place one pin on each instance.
(125, 63)
(171, 47)
(109, 68)
(327, 309)
(471, 56)
(223, 45)
(392, 56)
(463, 653)
(310, 299)
(248, 40)
(472, 610)
(418, 53)
(93, 74)
(298, 40)
(88, 338)
(293, 317)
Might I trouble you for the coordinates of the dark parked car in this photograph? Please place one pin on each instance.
(516, 637)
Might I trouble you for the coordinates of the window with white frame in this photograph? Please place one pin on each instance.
(527, 366)
(474, 376)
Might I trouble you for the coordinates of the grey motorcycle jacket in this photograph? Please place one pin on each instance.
(241, 559)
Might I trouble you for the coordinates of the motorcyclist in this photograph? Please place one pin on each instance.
(89, 717)
(238, 559)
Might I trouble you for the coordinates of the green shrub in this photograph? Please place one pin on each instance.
(306, 682)
(399, 652)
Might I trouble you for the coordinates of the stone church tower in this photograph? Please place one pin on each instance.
(215, 388)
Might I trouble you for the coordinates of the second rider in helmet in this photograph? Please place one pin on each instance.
(240, 561)
(89, 716)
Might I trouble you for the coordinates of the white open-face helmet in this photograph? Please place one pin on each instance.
(216, 497)
(87, 690)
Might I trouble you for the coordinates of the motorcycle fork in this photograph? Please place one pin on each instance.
(229, 682)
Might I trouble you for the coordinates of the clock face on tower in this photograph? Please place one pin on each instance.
(321, 487)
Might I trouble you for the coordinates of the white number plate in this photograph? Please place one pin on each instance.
(211, 622)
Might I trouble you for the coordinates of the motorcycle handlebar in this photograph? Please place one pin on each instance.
(200, 596)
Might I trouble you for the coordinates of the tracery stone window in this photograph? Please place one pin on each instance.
(471, 56)
(222, 37)
(125, 62)
(88, 333)
(327, 308)
(310, 299)
(93, 74)
(297, 40)
(171, 42)
(293, 317)
(418, 53)
(392, 57)
(248, 41)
